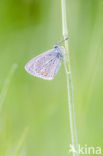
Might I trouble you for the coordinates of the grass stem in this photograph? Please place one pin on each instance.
(69, 82)
(6, 85)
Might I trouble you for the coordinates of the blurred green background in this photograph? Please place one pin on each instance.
(28, 28)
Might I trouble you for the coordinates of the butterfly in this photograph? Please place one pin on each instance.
(47, 64)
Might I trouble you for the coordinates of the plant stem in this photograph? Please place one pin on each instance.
(69, 82)
(21, 142)
(6, 85)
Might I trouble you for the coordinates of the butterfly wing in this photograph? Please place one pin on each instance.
(49, 70)
(44, 66)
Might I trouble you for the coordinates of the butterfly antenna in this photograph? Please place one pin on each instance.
(63, 40)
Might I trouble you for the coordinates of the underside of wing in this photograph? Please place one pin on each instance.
(44, 66)
(49, 70)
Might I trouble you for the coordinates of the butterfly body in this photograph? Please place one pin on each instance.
(46, 65)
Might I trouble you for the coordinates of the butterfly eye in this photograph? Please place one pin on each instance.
(56, 46)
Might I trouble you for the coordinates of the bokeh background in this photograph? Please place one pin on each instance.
(34, 119)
